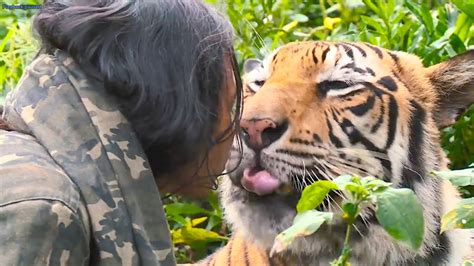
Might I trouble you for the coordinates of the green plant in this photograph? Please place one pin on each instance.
(196, 227)
(17, 45)
(17, 49)
(462, 216)
(397, 210)
(393, 207)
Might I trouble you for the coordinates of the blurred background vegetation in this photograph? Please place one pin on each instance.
(432, 29)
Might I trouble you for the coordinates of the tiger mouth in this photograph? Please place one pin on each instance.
(263, 181)
(260, 181)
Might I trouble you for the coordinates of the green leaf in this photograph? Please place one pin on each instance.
(353, 4)
(401, 215)
(358, 191)
(177, 237)
(290, 25)
(350, 211)
(197, 221)
(304, 224)
(457, 44)
(342, 181)
(213, 200)
(373, 23)
(374, 184)
(193, 234)
(372, 6)
(184, 208)
(423, 14)
(314, 194)
(463, 25)
(466, 6)
(460, 178)
(461, 217)
(468, 263)
(299, 17)
(178, 219)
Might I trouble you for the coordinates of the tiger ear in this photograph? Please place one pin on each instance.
(454, 83)
(251, 64)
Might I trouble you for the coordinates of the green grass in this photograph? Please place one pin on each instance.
(17, 45)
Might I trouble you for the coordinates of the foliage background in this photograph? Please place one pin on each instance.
(432, 29)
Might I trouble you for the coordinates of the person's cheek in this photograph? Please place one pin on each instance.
(221, 154)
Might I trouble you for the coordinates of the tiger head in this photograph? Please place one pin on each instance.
(317, 110)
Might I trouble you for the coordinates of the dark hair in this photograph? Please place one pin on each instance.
(164, 58)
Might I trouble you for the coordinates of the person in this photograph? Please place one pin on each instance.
(124, 101)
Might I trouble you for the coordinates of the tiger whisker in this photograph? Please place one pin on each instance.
(312, 175)
(337, 168)
(323, 173)
(340, 194)
(377, 155)
(363, 218)
(357, 229)
(305, 184)
(352, 166)
(335, 202)
(349, 169)
(328, 178)
(356, 150)
(372, 174)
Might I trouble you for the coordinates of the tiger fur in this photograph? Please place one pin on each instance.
(344, 108)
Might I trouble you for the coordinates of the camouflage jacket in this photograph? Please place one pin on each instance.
(75, 185)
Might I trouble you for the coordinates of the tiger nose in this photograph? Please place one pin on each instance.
(260, 133)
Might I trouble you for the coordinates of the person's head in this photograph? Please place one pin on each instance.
(171, 64)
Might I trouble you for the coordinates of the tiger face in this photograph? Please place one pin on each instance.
(317, 110)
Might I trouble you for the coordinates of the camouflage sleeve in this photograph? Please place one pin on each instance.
(42, 232)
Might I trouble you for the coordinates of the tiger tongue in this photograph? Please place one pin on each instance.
(259, 182)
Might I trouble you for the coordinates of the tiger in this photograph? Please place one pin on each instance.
(315, 110)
